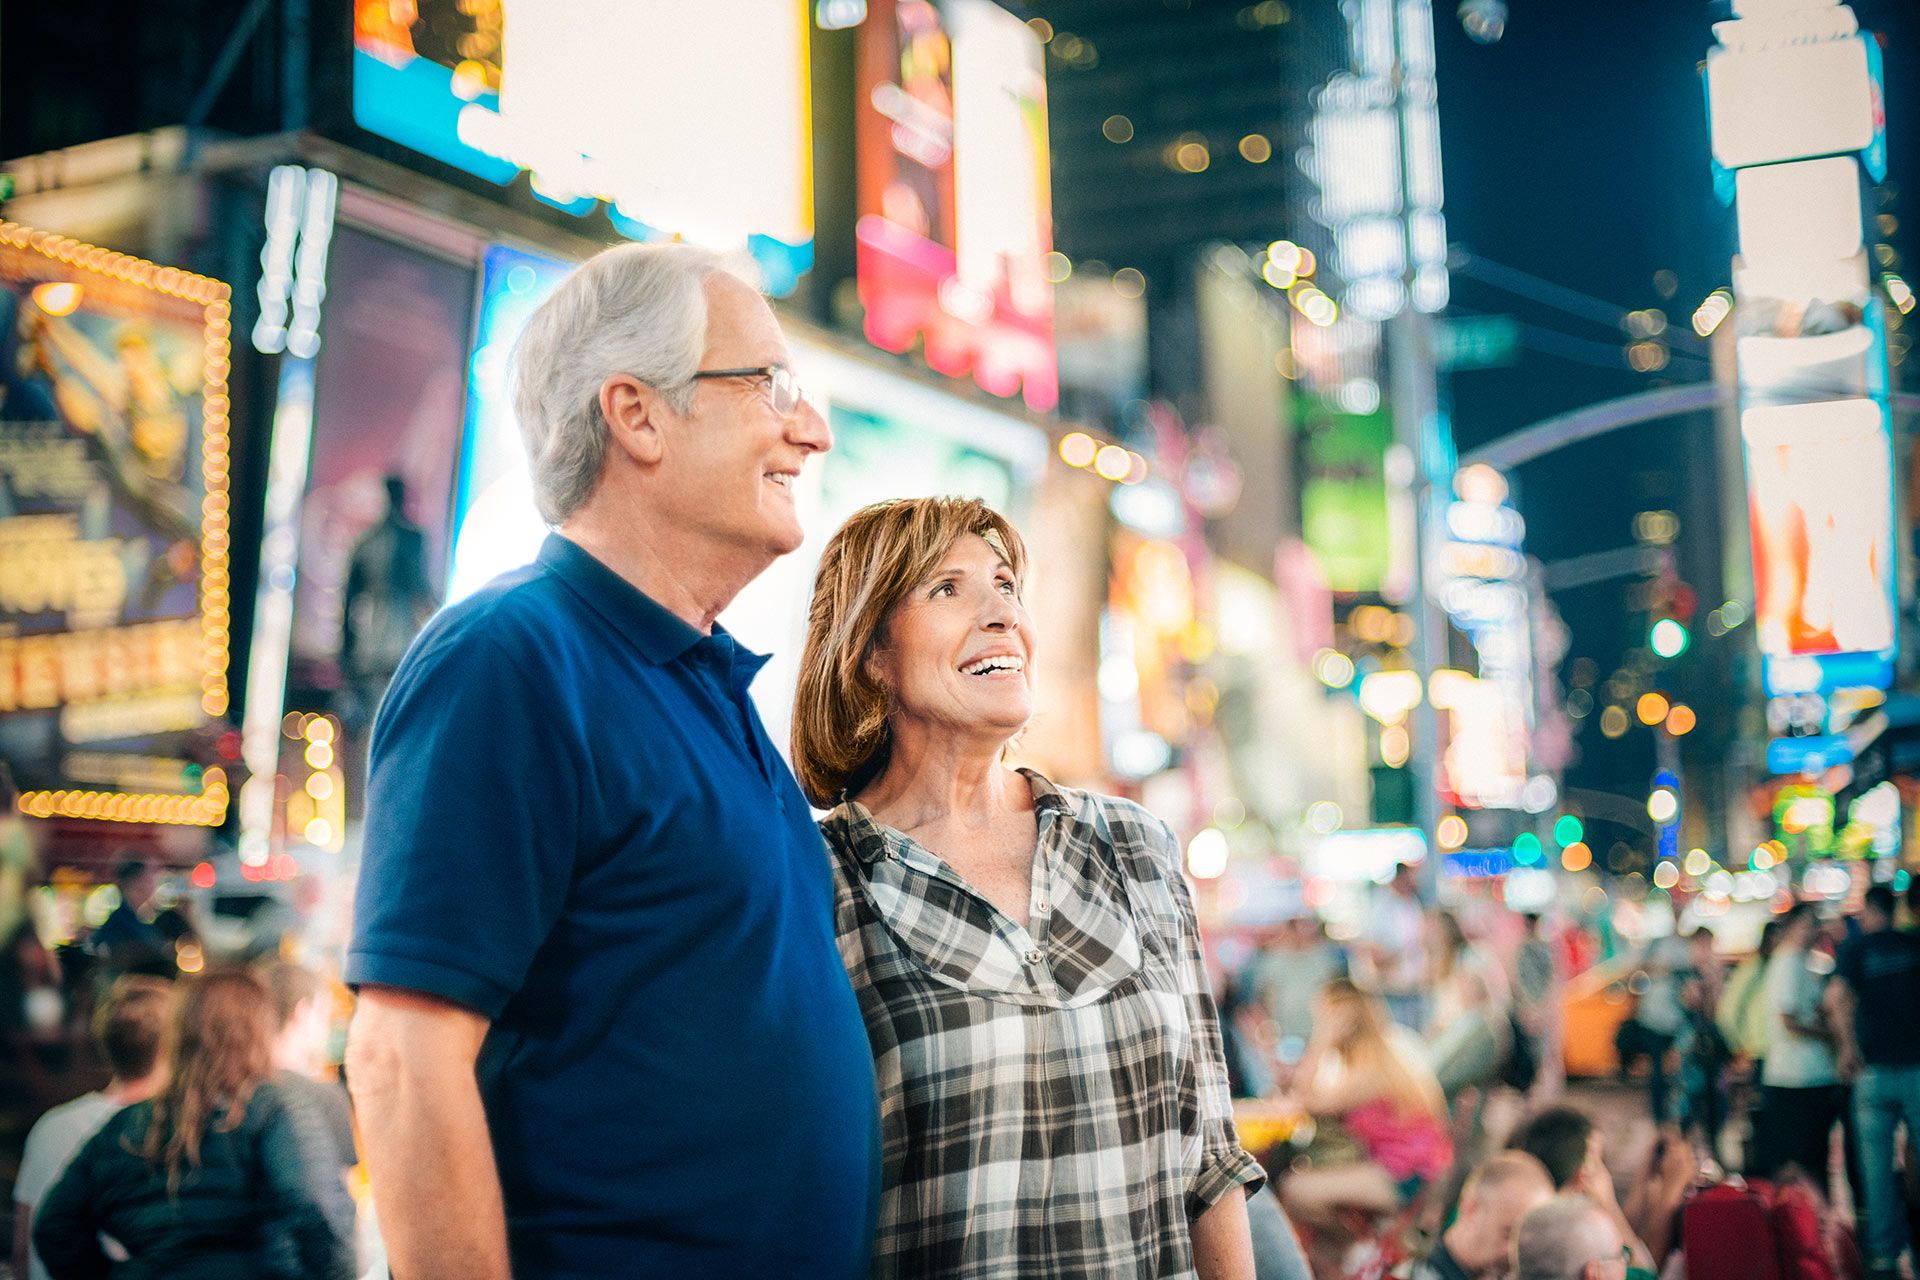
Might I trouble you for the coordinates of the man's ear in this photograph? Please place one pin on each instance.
(633, 411)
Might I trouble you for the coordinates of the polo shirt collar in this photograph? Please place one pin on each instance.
(656, 631)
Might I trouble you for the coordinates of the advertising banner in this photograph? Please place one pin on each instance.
(684, 119)
(955, 195)
(387, 407)
(1820, 492)
(1343, 498)
(114, 532)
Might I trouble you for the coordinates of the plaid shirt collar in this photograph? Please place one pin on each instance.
(1082, 937)
(871, 842)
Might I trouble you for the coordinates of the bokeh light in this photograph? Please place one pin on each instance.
(1207, 854)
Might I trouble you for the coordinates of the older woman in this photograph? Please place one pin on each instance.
(1052, 1092)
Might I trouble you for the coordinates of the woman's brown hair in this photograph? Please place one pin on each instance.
(840, 736)
(1367, 1052)
(220, 1049)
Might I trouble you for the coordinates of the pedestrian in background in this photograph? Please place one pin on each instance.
(1468, 1029)
(1659, 1020)
(1395, 949)
(1537, 990)
(1704, 1053)
(1744, 1022)
(1800, 1079)
(1874, 1003)
(302, 1010)
(128, 941)
(1288, 975)
(1569, 1238)
(128, 1023)
(210, 1179)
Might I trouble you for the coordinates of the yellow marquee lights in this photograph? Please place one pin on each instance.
(209, 808)
(316, 806)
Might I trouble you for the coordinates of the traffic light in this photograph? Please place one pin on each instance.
(1668, 638)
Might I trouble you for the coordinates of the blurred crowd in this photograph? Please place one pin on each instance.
(1406, 1089)
(1404, 1086)
(211, 1134)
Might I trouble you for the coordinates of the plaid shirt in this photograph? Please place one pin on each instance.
(1053, 1099)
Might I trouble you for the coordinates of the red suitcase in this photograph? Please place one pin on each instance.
(1727, 1233)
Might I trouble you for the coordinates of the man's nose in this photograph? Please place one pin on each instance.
(808, 428)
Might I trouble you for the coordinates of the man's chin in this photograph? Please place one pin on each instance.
(785, 542)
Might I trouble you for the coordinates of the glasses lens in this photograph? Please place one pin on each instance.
(786, 391)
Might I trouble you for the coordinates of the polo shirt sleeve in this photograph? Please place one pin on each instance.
(471, 830)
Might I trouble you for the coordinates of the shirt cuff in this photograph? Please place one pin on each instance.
(428, 977)
(1220, 1173)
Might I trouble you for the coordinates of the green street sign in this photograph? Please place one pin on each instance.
(1476, 342)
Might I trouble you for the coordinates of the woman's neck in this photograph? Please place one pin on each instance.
(934, 778)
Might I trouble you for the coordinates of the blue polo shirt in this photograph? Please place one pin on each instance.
(577, 826)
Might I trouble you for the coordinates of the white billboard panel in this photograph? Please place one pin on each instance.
(1789, 102)
(1806, 210)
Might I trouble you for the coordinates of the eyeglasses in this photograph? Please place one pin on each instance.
(783, 389)
(1624, 1257)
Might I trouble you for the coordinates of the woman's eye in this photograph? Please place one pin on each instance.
(946, 587)
(1007, 585)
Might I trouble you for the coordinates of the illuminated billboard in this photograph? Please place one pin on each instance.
(1836, 105)
(1820, 489)
(955, 198)
(1344, 510)
(688, 120)
(114, 532)
(496, 526)
(1796, 99)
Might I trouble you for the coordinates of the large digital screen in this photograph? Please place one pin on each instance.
(955, 195)
(1820, 491)
(686, 120)
(496, 526)
(114, 532)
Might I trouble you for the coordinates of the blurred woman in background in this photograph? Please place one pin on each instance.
(211, 1179)
(1380, 1118)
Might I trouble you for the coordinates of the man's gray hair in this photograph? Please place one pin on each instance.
(638, 309)
(1556, 1240)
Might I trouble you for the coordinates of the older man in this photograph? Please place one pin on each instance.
(603, 1027)
(1502, 1190)
(1568, 1238)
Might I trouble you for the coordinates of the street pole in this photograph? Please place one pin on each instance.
(1420, 430)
